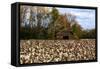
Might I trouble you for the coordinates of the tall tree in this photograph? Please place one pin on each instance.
(77, 30)
(51, 27)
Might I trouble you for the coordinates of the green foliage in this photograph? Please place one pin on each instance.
(51, 28)
(77, 30)
(90, 34)
(54, 14)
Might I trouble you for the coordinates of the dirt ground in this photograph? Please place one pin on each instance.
(41, 51)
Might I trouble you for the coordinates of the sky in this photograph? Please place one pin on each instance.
(85, 17)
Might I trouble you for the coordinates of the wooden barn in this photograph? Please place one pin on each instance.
(64, 35)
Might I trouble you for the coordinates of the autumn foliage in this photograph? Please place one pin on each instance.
(41, 23)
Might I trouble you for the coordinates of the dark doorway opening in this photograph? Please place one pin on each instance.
(65, 37)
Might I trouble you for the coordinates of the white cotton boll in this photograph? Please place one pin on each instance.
(56, 59)
(22, 56)
(79, 44)
(65, 54)
(28, 42)
(33, 49)
(26, 56)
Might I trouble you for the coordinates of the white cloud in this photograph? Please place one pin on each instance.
(85, 17)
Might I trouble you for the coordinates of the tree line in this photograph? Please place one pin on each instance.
(40, 23)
